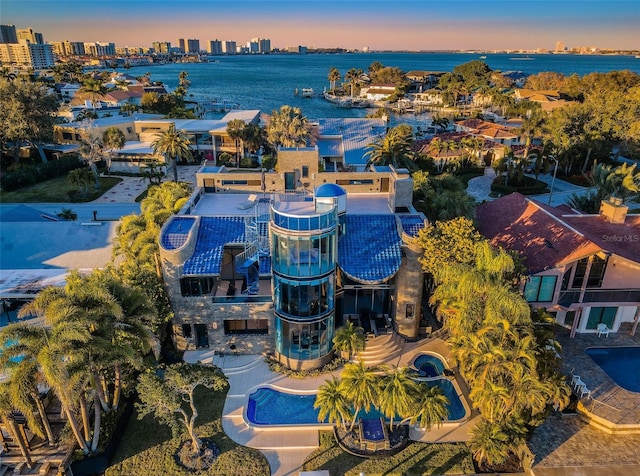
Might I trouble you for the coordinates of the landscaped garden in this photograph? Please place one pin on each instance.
(148, 447)
(415, 459)
(58, 190)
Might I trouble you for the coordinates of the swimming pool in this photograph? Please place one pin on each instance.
(267, 406)
(622, 364)
(429, 365)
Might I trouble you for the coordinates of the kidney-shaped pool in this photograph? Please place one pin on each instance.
(267, 406)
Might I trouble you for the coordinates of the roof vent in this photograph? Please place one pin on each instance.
(613, 210)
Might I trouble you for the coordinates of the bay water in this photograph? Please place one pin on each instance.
(266, 82)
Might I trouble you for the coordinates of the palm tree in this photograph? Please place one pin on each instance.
(254, 137)
(360, 385)
(94, 90)
(112, 138)
(349, 339)
(430, 407)
(48, 346)
(183, 86)
(353, 77)
(332, 404)
(394, 149)
(287, 127)
(532, 125)
(333, 77)
(23, 382)
(397, 390)
(235, 130)
(174, 145)
(489, 443)
(8, 418)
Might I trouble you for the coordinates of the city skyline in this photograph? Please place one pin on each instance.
(353, 24)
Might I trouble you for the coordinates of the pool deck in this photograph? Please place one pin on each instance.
(287, 447)
(608, 401)
(566, 445)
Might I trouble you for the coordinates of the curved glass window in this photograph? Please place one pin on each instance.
(305, 223)
(303, 255)
(303, 298)
(304, 341)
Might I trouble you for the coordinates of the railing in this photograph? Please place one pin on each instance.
(600, 295)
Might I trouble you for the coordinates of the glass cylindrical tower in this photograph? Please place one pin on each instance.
(303, 258)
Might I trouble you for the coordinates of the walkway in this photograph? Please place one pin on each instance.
(131, 187)
(480, 188)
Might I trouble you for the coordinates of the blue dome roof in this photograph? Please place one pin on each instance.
(330, 190)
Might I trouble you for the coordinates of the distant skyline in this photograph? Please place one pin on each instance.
(353, 24)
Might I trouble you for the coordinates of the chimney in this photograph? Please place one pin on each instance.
(613, 210)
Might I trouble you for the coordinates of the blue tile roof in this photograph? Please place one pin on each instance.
(369, 252)
(411, 224)
(213, 234)
(176, 232)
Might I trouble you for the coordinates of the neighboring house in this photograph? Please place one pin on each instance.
(343, 142)
(208, 137)
(378, 92)
(536, 96)
(420, 81)
(68, 91)
(585, 269)
(119, 98)
(277, 271)
(498, 133)
(49, 247)
(426, 97)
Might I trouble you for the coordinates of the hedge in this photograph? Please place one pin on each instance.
(25, 175)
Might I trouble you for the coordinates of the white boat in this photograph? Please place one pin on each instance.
(307, 93)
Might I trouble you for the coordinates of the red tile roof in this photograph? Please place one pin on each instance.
(516, 223)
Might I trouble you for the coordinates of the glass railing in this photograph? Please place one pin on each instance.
(600, 295)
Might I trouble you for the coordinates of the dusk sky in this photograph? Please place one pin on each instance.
(388, 25)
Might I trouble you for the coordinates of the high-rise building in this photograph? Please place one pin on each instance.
(193, 45)
(182, 45)
(253, 46)
(229, 47)
(98, 48)
(27, 55)
(264, 45)
(161, 46)
(29, 35)
(215, 47)
(8, 34)
(560, 47)
(68, 48)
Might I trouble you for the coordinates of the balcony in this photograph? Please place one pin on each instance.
(600, 295)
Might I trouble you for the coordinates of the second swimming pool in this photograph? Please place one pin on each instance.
(622, 364)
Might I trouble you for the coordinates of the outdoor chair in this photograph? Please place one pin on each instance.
(251, 201)
(601, 330)
(584, 391)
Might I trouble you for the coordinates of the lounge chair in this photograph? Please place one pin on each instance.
(251, 201)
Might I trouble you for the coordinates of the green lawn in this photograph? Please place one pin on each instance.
(58, 190)
(147, 448)
(416, 459)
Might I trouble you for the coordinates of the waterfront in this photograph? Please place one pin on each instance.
(266, 82)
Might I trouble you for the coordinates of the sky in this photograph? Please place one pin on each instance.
(353, 24)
